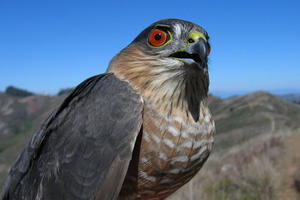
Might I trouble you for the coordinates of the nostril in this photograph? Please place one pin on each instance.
(191, 40)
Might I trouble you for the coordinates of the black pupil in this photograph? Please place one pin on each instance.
(157, 36)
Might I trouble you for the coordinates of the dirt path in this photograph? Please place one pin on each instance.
(291, 164)
(272, 122)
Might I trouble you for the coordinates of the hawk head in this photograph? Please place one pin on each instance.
(167, 64)
(176, 40)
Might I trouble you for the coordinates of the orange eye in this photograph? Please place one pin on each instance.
(157, 37)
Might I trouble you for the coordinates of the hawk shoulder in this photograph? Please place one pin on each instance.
(83, 149)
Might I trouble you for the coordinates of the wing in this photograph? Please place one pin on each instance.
(83, 149)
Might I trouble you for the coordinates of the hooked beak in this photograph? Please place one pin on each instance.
(197, 53)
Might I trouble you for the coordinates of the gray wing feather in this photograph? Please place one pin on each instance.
(83, 149)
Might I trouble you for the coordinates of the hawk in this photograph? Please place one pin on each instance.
(139, 131)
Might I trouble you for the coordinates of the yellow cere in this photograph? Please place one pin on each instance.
(196, 35)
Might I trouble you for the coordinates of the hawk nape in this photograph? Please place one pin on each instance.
(139, 131)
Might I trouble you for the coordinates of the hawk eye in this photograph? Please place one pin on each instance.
(157, 37)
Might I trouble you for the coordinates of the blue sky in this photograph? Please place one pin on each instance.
(49, 45)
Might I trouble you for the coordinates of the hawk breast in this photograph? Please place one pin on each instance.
(173, 149)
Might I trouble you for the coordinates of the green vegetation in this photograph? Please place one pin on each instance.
(10, 142)
(17, 92)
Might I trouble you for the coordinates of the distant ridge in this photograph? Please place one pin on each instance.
(17, 92)
(240, 118)
(291, 97)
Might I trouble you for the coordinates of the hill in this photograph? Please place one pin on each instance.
(253, 156)
(17, 92)
(241, 118)
(256, 151)
(19, 119)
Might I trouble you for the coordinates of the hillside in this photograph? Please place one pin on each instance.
(241, 118)
(256, 151)
(253, 134)
(19, 118)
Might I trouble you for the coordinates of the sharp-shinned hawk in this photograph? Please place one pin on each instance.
(139, 131)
